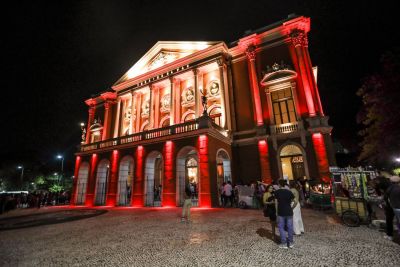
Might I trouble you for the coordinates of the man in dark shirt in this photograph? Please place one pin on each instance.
(284, 199)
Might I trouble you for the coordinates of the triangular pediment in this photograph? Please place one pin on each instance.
(163, 53)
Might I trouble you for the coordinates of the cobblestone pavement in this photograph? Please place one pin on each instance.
(216, 237)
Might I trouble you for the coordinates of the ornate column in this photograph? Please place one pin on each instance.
(169, 181)
(91, 181)
(177, 88)
(131, 123)
(322, 156)
(311, 76)
(226, 123)
(156, 96)
(138, 110)
(299, 40)
(108, 98)
(113, 180)
(138, 185)
(151, 112)
(116, 123)
(92, 111)
(78, 161)
(251, 56)
(205, 183)
(196, 93)
(172, 101)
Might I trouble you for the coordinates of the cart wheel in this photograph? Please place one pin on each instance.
(350, 218)
(242, 205)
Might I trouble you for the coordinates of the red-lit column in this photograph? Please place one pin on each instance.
(92, 110)
(205, 186)
(251, 56)
(91, 181)
(311, 76)
(264, 162)
(113, 180)
(78, 161)
(106, 125)
(169, 184)
(322, 156)
(138, 186)
(298, 40)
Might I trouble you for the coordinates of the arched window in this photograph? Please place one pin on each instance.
(215, 115)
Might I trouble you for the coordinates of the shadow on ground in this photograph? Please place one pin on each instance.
(262, 232)
(47, 218)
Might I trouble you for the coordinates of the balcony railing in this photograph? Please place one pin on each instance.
(146, 135)
(286, 127)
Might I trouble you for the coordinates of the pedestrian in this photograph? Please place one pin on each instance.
(391, 198)
(228, 193)
(298, 227)
(269, 206)
(187, 204)
(284, 199)
(221, 191)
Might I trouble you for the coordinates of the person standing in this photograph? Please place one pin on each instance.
(228, 193)
(284, 199)
(298, 227)
(269, 204)
(187, 204)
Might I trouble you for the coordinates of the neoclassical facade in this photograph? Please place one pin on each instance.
(196, 114)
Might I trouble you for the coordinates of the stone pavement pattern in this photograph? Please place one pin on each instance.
(216, 237)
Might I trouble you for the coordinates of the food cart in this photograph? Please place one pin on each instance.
(319, 195)
(349, 188)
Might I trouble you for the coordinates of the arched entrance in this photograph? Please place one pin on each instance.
(293, 162)
(81, 186)
(125, 181)
(103, 171)
(154, 174)
(223, 170)
(188, 174)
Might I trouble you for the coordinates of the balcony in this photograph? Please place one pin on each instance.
(287, 127)
(187, 127)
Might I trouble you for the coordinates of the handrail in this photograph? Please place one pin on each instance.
(146, 135)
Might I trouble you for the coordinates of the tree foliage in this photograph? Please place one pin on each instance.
(380, 113)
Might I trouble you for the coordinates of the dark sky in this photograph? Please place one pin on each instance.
(56, 54)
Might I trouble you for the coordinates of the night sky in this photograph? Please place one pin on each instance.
(57, 54)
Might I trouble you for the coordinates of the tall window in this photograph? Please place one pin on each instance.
(283, 106)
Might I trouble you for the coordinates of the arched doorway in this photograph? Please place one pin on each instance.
(188, 174)
(103, 171)
(224, 173)
(81, 185)
(125, 181)
(293, 162)
(154, 174)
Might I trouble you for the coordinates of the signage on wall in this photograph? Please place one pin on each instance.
(297, 159)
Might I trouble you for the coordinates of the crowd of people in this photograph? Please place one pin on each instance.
(10, 201)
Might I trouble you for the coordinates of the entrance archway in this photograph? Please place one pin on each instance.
(125, 181)
(188, 174)
(83, 175)
(293, 162)
(103, 171)
(154, 174)
(224, 173)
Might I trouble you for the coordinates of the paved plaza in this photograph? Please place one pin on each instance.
(156, 237)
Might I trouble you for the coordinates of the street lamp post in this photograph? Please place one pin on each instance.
(22, 174)
(62, 167)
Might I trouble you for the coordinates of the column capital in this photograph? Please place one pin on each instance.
(108, 96)
(251, 53)
(91, 102)
(195, 71)
(299, 38)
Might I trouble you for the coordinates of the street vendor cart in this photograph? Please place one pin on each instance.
(349, 187)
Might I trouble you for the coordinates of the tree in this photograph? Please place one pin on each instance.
(380, 113)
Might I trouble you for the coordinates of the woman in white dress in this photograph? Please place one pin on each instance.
(298, 227)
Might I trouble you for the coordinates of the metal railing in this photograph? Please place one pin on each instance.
(286, 127)
(146, 135)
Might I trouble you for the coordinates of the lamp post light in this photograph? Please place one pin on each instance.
(62, 167)
(21, 167)
(397, 159)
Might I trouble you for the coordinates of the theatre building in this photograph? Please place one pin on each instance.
(196, 114)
